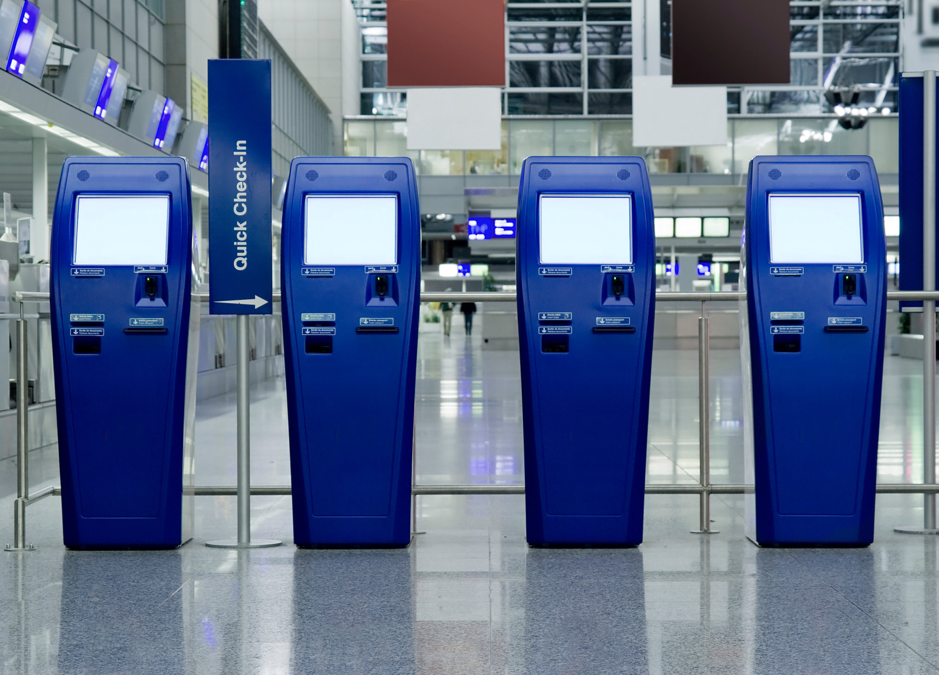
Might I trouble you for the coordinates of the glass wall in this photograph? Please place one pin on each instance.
(746, 138)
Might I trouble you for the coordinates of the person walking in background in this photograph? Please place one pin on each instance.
(468, 309)
(447, 309)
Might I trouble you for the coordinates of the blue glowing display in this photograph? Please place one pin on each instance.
(23, 39)
(704, 269)
(160, 137)
(110, 75)
(463, 269)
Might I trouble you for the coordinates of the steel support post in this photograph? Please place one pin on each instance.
(704, 424)
(929, 306)
(244, 449)
(22, 438)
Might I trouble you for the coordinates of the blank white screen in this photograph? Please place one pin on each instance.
(815, 229)
(586, 230)
(130, 230)
(351, 230)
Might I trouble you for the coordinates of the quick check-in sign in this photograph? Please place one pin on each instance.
(240, 238)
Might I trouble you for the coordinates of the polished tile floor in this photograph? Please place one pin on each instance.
(469, 596)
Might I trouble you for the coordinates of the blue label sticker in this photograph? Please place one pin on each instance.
(381, 269)
(87, 271)
(318, 271)
(555, 316)
(86, 318)
(86, 332)
(612, 320)
(555, 271)
(845, 321)
(787, 316)
(553, 330)
(151, 269)
(318, 317)
(849, 269)
(146, 322)
(319, 330)
(787, 271)
(621, 269)
(776, 330)
(376, 322)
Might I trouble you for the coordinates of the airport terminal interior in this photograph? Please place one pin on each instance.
(468, 336)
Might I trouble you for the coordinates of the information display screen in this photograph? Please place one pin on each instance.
(121, 230)
(351, 230)
(586, 229)
(815, 228)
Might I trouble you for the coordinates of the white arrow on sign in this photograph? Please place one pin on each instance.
(257, 302)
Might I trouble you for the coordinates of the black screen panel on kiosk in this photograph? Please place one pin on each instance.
(819, 228)
(351, 230)
(121, 230)
(585, 229)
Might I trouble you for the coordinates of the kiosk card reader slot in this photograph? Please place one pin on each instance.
(124, 331)
(586, 254)
(812, 334)
(351, 282)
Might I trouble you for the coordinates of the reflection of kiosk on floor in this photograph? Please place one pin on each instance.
(586, 264)
(812, 339)
(351, 280)
(125, 341)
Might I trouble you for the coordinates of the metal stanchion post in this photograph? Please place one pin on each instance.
(704, 424)
(22, 438)
(929, 306)
(414, 480)
(244, 450)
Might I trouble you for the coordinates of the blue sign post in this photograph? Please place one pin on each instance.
(240, 240)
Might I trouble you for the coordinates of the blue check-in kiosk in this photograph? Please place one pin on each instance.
(812, 337)
(586, 285)
(125, 348)
(351, 287)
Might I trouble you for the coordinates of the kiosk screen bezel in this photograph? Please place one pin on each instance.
(356, 254)
(601, 253)
(778, 256)
(91, 254)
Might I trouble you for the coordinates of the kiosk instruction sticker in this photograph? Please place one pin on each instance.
(86, 332)
(381, 269)
(787, 271)
(555, 330)
(555, 316)
(318, 330)
(849, 269)
(86, 318)
(87, 271)
(787, 316)
(555, 271)
(151, 269)
(318, 271)
(318, 317)
(618, 269)
(777, 330)
(612, 320)
(148, 323)
(845, 321)
(377, 322)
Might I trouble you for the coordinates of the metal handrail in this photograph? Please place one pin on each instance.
(704, 488)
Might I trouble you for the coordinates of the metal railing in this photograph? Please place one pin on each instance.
(704, 488)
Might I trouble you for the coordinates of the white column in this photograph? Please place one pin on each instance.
(40, 232)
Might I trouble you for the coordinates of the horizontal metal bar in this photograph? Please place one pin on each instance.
(665, 296)
(50, 491)
(232, 491)
(468, 490)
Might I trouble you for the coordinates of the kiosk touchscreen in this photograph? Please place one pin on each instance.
(125, 347)
(812, 343)
(351, 284)
(586, 302)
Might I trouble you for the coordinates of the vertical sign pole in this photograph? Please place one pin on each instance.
(22, 437)
(240, 236)
(929, 306)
